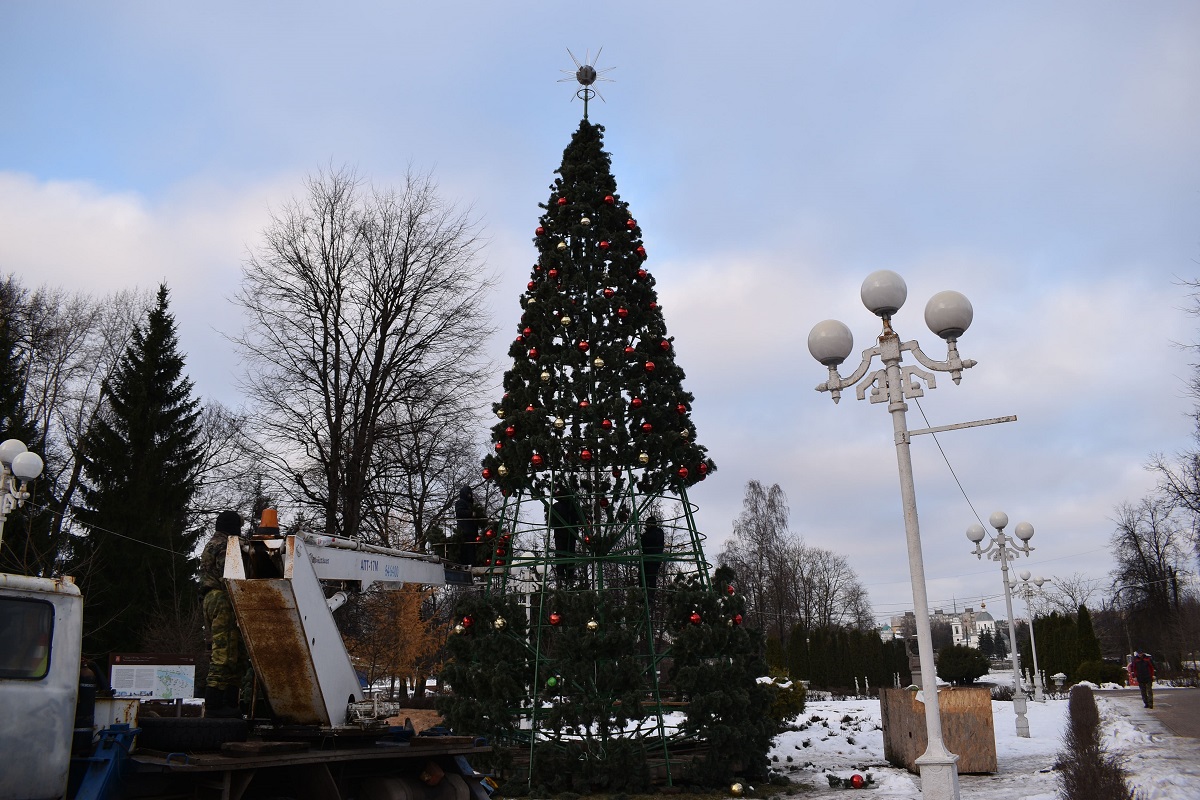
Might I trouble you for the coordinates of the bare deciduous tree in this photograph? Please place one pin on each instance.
(358, 303)
(787, 582)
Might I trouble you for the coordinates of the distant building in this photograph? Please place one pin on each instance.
(965, 627)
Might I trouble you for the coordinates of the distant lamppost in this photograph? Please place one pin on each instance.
(948, 314)
(16, 463)
(1028, 589)
(999, 548)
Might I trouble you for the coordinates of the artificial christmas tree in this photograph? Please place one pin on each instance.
(594, 450)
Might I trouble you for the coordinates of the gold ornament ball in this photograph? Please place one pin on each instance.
(598, 363)
(499, 623)
(459, 628)
(593, 625)
(559, 423)
(684, 434)
(565, 321)
(501, 470)
(584, 221)
(531, 301)
(500, 413)
(562, 245)
(545, 377)
(736, 790)
(643, 458)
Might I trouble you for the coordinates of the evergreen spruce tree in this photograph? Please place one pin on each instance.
(140, 460)
(593, 452)
(986, 643)
(1088, 644)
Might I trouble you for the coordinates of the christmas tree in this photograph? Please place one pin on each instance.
(598, 617)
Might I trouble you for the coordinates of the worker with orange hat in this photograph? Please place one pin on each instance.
(227, 657)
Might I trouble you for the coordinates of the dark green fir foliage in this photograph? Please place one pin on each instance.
(716, 665)
(1088, 644)
(139, 461)
(594, 380)
(489, 667)
(590, 680)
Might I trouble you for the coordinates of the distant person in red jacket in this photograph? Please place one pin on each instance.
(1143, 670)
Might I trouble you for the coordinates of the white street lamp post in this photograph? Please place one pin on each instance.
(16, 463)
(1000, 547)
(1028, 589)
(948, 314)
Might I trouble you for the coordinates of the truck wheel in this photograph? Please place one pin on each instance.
(189, 734)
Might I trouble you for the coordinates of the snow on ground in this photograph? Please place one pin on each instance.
(1161, 766)
(844, 737)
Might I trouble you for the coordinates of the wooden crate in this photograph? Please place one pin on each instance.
(966, 727)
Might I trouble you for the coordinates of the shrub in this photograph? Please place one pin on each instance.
(1099, 673)
(960, 665)
(1086, 770)
(787, 701)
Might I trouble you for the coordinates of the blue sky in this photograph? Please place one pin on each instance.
(1039, 157)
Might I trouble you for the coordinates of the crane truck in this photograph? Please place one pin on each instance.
(325, 740)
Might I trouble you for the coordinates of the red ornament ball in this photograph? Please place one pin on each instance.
(682, 472)
(642, 274)
(510, 431)
(681, 408)
(490, 533)
(616, 473)
(622, 312)
(664, 345)
(604, 245)
(636, 402)
(536, 459)
(583, 347)
(540, 231)
(703, 468)
(562, 201)
(649, 366)
(606, 424)
(527, 331)
(631, 223)
(647, 427)
(653, 305)
(467, 622)
(694, 618)
(553, 273)
(856, 781)
(608, 294)
(530, 286)
(533, 353)
(530, 408)
(629, 350)
(499, 562)
(604, 502)
(555, 618)
(584, 404)
(641, 251)
(729, 589)
(737, 619)
(585, 455)
(487, 474)
(608, 198)
(499, 446)
(499, 551)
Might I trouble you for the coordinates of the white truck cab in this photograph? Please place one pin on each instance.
(40, 624)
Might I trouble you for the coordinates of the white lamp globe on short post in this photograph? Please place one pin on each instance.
(16, 464)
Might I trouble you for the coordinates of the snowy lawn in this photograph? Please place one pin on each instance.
(844, 737)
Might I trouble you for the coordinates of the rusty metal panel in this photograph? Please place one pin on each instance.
(278, 646)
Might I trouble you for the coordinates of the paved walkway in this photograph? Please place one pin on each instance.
(1177, 710)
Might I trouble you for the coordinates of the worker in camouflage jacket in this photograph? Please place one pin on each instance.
(227, 659)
